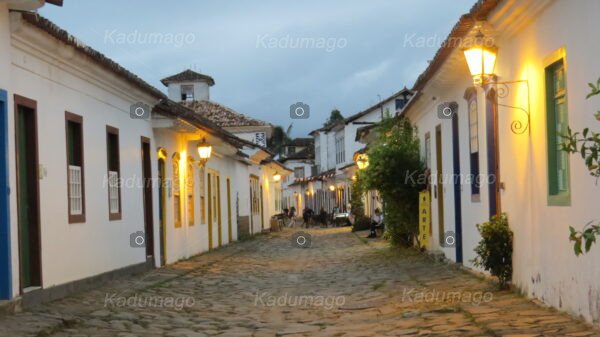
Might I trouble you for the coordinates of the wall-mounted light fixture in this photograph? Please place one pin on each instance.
(204, 151)
(331, 188)
(481, 59)
(276, 177)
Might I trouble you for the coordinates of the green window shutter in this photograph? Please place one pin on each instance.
(557, 125)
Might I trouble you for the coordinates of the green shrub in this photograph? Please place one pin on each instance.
(494, 251)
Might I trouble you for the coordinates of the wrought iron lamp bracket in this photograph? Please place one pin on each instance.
(517, 126)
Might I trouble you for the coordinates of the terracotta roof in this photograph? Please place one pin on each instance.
(99, 58)
(188, 75)
(480, 10)
(222, 115)
(172, 109)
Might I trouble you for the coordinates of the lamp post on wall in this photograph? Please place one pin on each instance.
(481, 60)
(204, 151)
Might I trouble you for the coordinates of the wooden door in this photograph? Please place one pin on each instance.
(440, 183)
(214, 207)
(147, 197)
(456, 184)
(493, 153)
(218, 209)
(255, 202)
(229, 220)
(5, 250)
(28, 193)
(210, 209)
(162, 197)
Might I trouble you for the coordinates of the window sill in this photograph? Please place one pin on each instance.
(114, 217)
(562, 199)
(75, 219)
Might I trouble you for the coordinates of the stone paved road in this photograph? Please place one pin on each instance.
(342, 286)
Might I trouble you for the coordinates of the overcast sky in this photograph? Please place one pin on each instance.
(267, 55)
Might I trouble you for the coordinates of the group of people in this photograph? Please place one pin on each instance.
(308, 214)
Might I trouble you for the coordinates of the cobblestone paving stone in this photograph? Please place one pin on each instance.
(351, 287)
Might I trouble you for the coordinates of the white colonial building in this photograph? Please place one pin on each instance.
(335, 149)
(102, 173)
(508, 132)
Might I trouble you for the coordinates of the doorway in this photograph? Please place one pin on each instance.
(439, 191)
(456, 182)
(493, 152)
(28, 210)
(5, 253)
(162, 202)
(210, 210)
(262, 210)
(147, 195)
(218, 203)
(214, 207)
(254, 202)
(229, 221)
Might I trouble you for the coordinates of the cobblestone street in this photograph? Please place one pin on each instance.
(343, 285)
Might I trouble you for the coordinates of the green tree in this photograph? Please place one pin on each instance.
(279, 138)
(397, 172)
(334, 118)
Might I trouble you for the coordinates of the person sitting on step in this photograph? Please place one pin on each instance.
(376, 222)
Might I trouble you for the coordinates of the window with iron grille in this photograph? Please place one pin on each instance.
(112, 157)
(75, 172)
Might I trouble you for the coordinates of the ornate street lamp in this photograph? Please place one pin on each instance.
(362, 161)
(481, 59)
(204, 151)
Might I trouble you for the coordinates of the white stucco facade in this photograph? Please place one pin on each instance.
(544, 264)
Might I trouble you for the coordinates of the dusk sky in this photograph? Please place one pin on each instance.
(267, 55)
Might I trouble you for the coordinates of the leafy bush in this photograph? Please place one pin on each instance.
(361, 223)
(395, 170)
(494, 251)
(585, 237)
(587, 144)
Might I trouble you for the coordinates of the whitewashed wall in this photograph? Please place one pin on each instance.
(62, 82)
(544, 264)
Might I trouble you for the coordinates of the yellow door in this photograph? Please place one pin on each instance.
(210, 213)
(229, 224)
(214, 208)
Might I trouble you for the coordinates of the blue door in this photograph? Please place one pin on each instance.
(5, 267)
(456, 183)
